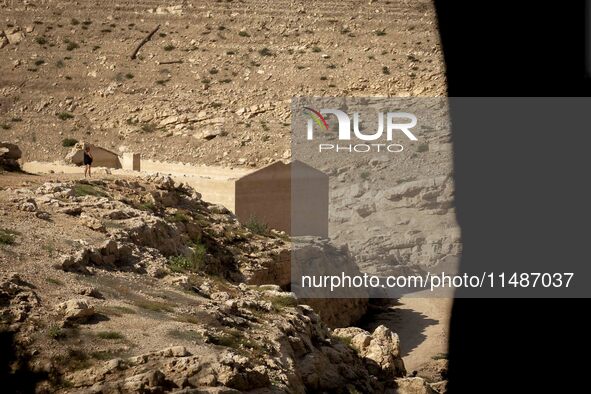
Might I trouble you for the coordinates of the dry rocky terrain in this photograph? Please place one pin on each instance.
(137, 285)
(66, 71)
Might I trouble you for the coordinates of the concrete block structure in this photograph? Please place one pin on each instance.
(131, 161)
(289, 197)
(101, 157)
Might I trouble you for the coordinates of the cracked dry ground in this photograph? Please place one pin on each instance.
(137, 285)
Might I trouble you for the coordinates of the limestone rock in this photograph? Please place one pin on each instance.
(380, 349)
(76, 310)
(413, 386)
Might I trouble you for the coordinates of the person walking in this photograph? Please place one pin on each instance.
(87, 161)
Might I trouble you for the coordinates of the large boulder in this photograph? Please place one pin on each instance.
(9, 156)
(76, 310)
(380, 350)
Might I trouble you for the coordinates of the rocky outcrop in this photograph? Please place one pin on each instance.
(9, 156)
(76, 311)
(17, 299)
(380, 350)
(319, 257)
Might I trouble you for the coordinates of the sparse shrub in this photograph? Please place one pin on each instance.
(385, 70)
(5, 126)
(193, 263)
(129, 76)
(65, 115)
(54, 281)
(7, 237)
(216, 105)
(55, 332)
(226, 80)
(331, 66)
(380, 32)
(71, 45)
(316, 49)
(242, 33)
(256, 226)
(162, 34)
(364, 175)
(280, 302)
(423, 148)
(69, 142)
(96, 47)
(154, 306)
(148, 127)
(213, 71)
(147, 206)
(39, 62)
(178, 217)
(169, 47)
(234, 339)
(439, 356)
(187, 335)
(41, 40)
(116, 310)
(110, 335)
(74, 21)
(87, 23)
(16, 119)
(161, 81)
(323, 78)
(83, 189)
(265, 52)
(205, 80)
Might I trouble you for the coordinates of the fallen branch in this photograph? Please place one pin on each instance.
(143, 42)
(171, 62)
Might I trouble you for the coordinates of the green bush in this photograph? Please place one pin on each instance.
(83, 189)
(111, 335)
(7, 237)
(65, 115)
(192, 263)
(255, 226)
(69, 142)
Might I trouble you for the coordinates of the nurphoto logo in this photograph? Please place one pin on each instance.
(395, 122)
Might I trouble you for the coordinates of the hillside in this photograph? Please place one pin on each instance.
(66, 72)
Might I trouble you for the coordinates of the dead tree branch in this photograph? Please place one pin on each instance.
(143, 42)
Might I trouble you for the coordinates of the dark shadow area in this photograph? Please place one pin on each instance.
(522, 195)
(15, 374)
(399, 320)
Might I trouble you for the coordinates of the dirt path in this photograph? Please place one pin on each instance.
(422, 325)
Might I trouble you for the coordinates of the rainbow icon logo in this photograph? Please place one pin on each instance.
(317, 117)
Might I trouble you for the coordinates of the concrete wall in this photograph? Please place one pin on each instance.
(266, 195)
(131, 161)
(309, 208)
(101, 158)
(217, 191)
